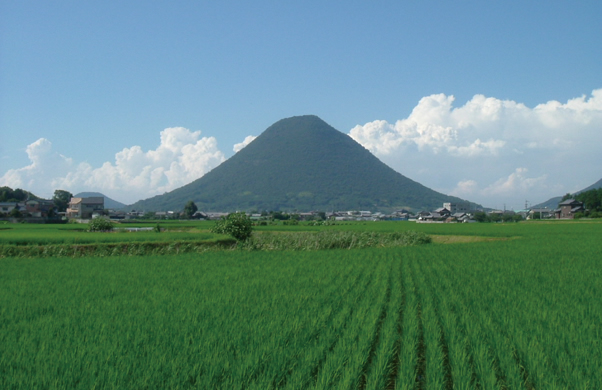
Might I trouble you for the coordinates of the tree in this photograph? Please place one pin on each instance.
(15, 213)
(481, 216)
(189, 209)
(592, 199)
(61, 199)
(100, 225)
(7, 194)
(237, 225)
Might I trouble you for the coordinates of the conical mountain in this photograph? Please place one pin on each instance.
(301, 163)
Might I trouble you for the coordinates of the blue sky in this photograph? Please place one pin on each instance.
(496, 102)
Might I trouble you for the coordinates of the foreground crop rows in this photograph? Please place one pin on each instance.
(487, 315)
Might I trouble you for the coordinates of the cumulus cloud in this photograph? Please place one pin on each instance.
(181, 157)
(518, 182)
(248, 139)
(485, 147)
(45, 163)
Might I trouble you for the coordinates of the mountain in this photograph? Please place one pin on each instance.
(552, 203)
(109, 203)
(301, 163)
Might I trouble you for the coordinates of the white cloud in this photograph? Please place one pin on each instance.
(517, 183)
(248, 139)
(465, 189)
(181, 157)
(493, 142)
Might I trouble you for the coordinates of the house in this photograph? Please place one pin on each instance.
(443, 211)
(84, 208)
(569, 208)
(7, 207)
(39, 208)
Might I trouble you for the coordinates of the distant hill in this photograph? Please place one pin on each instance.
(301, 163)
(552, 203)
(109, 203)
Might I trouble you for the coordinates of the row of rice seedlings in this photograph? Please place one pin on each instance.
(255, 366)
(539, 342)
(265, 357)
(387, 351)
(452, 302)
(509, 354)
(160, 313)
(562, 320)
(313, 354)
(308, 349)
(408, 354)
(492, 351)
(532, 337)
(343, 366)
(435, 377)
(457, 357)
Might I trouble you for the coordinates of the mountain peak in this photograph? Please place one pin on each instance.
(301, 163)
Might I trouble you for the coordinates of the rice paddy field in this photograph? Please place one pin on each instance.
(485, 306)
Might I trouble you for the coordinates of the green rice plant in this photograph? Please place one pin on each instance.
(434, 375)
(385, 361)
(343, 367)
(408, 359)
(518, 313)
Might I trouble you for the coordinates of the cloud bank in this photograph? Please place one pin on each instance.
(493, 151)
(181, 157)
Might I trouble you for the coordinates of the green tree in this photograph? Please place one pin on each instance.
(237, 225)
(61, 199)
(100, 225)
(7, 194)
(15, 213)
(481, 217)
(592, 199)
(189, 209)
(517, 217)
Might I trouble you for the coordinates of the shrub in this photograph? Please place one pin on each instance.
(237, 225)
(100, 225)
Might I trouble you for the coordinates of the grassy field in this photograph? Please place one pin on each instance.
(499, 306)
